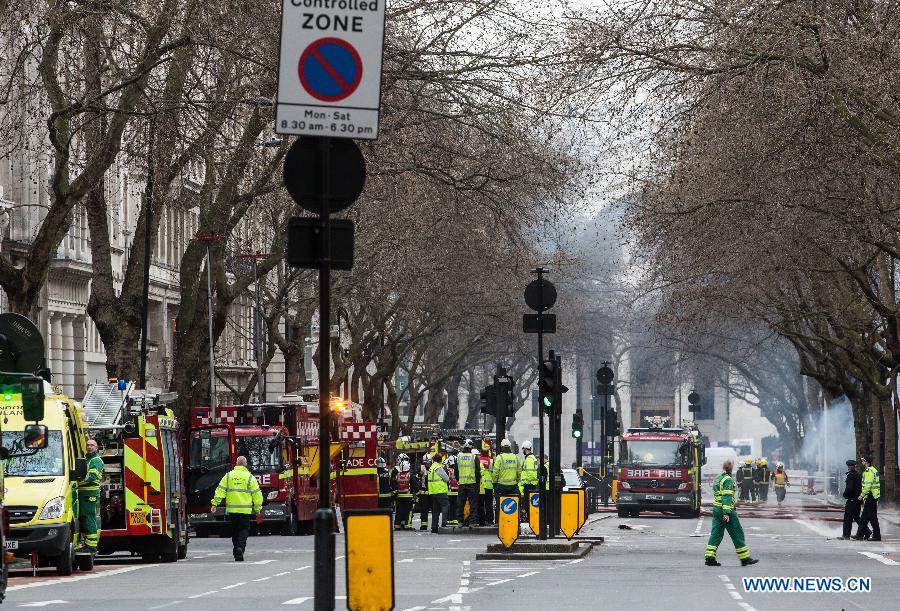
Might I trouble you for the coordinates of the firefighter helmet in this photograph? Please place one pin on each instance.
(403, 463)
(748, 461)
(380, 462)
(427, 458)
(468, 443)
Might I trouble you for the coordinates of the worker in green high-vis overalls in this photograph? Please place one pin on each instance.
(724, 517)
(89, 499)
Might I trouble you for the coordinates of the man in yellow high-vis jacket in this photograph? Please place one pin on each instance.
(242, 496)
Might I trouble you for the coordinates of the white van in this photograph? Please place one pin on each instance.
(714, 459)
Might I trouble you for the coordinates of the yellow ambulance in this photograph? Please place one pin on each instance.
(41, 480)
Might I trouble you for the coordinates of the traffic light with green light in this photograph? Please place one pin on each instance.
(577, 424)
(548, 383)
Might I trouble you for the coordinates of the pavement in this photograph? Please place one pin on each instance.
(654, 562)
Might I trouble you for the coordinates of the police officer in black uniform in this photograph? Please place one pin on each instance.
(852, 505)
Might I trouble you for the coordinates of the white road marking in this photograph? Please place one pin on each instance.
(44, 603)
(267, 561)
(338, 558)
(576, 561)
(297, 601)
(234, 585)
(497, 583)
(455, 598)
(729, 586)
(724, 578)
(280, 574)
(414, 609)
(97, 575)
(263, 578)
(203, 594)
(529, 574)
(454, 540)
(746, 606)
(819, 530)
(171, 604)
(880, 558)
(303, 568)
(735, 595)
(699, 527)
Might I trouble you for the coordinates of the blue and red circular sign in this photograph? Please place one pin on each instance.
(330, 69)
(509, 506)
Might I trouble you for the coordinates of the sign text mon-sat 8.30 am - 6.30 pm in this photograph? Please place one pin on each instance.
(329, 73)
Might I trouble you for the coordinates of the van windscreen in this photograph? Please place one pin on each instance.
(48, 461)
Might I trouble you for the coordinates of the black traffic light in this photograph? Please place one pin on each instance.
(577, 424)
(489, 401)
(612, 422)
(548, 384)
(693, 401)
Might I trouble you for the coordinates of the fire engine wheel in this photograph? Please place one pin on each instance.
(85, 562)
(65, 562)
(290, 525)
(182, 547)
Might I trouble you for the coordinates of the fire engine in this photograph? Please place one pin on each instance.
(280, 441)
(142, 501)
(659, 469)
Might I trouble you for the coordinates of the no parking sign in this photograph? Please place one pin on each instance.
(329, 73)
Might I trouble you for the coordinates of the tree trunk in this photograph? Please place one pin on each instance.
(354, 383)
(860, 428)
(889, 466)
(434, 404)
(415, 398)
(875, 418)
(393, 402)
(451, 417)
(474, 399)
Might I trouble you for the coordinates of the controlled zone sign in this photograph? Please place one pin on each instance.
(508, 526)
(329, 72)
(534, 512)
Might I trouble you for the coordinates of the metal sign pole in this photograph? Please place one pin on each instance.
(213, 407)
(542, 478)
(324, 524)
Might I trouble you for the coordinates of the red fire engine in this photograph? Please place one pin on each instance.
(659, 469)
(142, 505)
(280, 441)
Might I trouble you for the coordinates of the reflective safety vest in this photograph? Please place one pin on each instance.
(94, 473)
(506, 469)
(871, 483)
(240, 490)
(486, 482)
(466, 464)
(530, 471)
(435, 484)
(403, 483)
(746, 473)
(723, 492)
(780, 479)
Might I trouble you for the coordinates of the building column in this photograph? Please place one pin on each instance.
(68, 356)
(79, 340)
(55, 347)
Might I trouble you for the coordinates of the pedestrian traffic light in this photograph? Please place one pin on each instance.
(612, 422)
(577, 424)
(489, 401)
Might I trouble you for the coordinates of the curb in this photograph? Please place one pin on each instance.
(581, 552)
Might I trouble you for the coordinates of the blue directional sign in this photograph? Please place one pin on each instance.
(509, 506)
(536, 500)
(330, 69)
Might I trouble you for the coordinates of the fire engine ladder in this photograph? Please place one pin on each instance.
(104, 404)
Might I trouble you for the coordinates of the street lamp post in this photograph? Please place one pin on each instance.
(213, 408)
(258, 343)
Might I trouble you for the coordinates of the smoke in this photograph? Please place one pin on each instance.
(840, 439)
